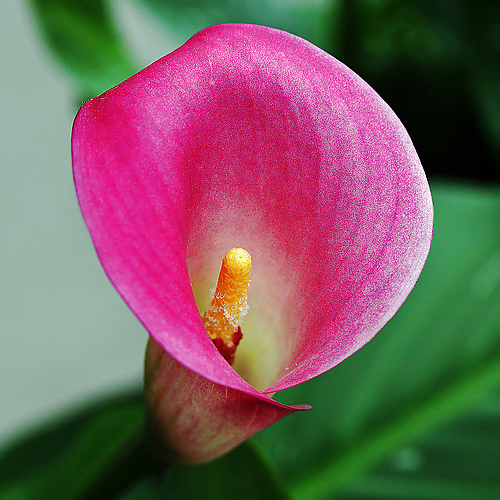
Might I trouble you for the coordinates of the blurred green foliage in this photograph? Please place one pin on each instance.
(434, 61)
(395, 419)
(59, 459)
(84, 37)
(76, 458)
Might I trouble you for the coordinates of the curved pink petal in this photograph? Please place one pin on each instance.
(248, 136)
(194, 420)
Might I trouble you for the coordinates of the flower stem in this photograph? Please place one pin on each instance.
(436, 409)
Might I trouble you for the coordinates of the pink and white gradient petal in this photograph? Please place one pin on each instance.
(248, 136)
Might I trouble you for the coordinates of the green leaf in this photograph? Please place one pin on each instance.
(58, 461)
(307, 19)
(458, 462)
(245, 473)
(85, 39)
(94, 455)
(436, 358)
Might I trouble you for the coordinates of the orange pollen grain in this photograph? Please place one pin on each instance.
(229, 303)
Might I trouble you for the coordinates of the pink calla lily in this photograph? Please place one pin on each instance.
(249, 136)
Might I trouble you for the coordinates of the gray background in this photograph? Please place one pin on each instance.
(66, 338)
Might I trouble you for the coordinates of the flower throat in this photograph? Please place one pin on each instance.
(229, 303)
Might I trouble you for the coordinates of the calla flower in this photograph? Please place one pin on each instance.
(249, 137)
